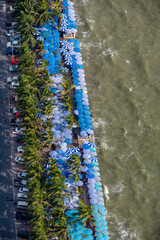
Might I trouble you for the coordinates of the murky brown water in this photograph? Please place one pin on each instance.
(121, 52)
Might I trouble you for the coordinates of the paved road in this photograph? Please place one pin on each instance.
(7, 224)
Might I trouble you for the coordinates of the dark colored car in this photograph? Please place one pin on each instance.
(9, 51)
(24, 234)
(19, 138)
(22, 216)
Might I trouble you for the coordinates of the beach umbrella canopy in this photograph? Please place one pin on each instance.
(104, 228)
(91, 181)
(93, 201)
(78, 236)
(98, 179)
(90, 171)
(101, 208)
(86, 151)
(93, 195)
(90, 176)
(87, 161)
(79, 183)
(93, 149)
(98, 229)
(100, 194)
(97, 224)
(94, 159)
(103, 212)
(97, 174)
(96, 169)
(92, 190)
(88, 237)
(100, 199)
(68, 213)
(99, 188)
(101, 204)
(86, 156)
(85, 146)
(88, 231)
(95, 164)
(89, 166)
(83, 168)
(98, 234)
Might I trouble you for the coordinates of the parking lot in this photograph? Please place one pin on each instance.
(10, 221)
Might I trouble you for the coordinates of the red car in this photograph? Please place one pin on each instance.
(14, 61)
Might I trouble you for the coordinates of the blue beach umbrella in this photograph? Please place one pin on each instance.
(88, 231)
(103, 222)
(97, 224)
(98, 189)
(98, 229)
(90, 176)
(104, 232)
(77, 237)
(98, 184)
(105, 238)
(104, 228)
(102, 216)
(103, 212)
(98, 234)
(95, 164)
(85, 146)
(89, 166)
(101, 208)
(68, 213)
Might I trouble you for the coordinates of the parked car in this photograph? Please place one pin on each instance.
(14, 61)
(23, 182)
(24, 234)
(11, 25)
(14, 37)
(19, 159)
(13, 68)
(10, 32)
(13, 44)
(22, 215)
(17, 130)
(20, 138)
(20, 149)
(14, 84)
(16, 121)
(23, 189)
(22, 196)
(21, 174)
(22, 205)
(11, 51)
(12, 79)
(14, 110)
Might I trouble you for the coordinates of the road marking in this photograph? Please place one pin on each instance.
(4, 7)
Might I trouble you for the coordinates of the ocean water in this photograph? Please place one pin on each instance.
(120, 43)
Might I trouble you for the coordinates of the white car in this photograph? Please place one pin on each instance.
(15, 110)
(21, 174)
(17, 130)
(24, 182)
(10, 32)
(19, 159)
(14, 85)
(13, 44)
(13, 79)
(13, 68)
(20, 149)
(23, 189)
